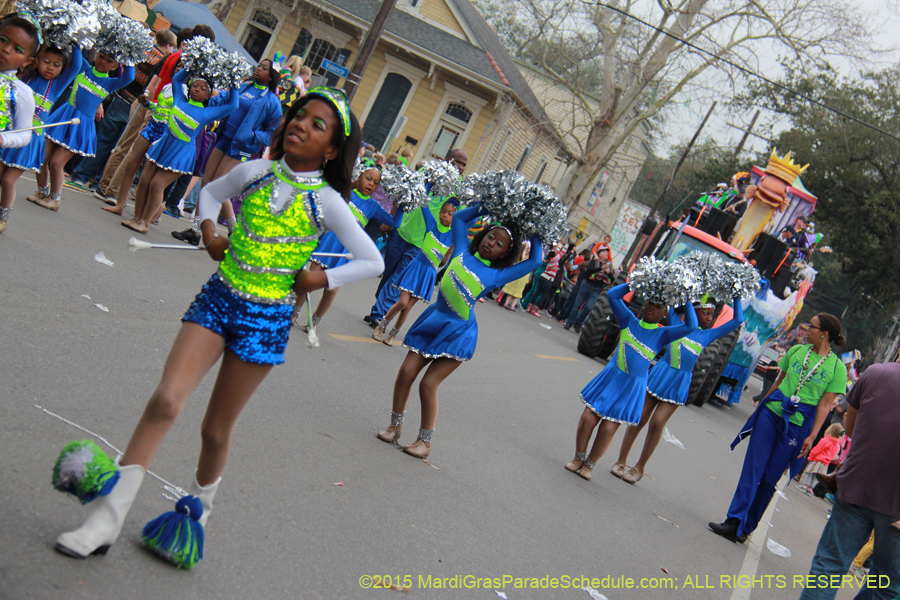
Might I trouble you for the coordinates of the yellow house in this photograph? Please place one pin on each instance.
(439, 77)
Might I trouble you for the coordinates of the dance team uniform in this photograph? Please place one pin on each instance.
(249, 128)
(249, 300)
(617, 393)
(44, 94)
(447, 328)
(88, 91)
(670, 378)
(175, 150)
(161, 111)
(363, 208)
(419, 276)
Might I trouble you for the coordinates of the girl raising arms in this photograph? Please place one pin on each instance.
(446, 334)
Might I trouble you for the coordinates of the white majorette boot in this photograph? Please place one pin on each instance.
(206, 494)
(105, 518)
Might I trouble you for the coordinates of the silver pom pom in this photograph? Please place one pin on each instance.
(122, 38)
(65, 22)
(405, 187)
(511, 199)
(220, 69)
(671, 284)
(722, 279)
(443, 176)
(359, 168)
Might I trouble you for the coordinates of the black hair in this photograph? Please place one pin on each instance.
(26, 25)
(274, 76)
(29, 71)
(832, 326)
(191, 81)
(338, 172)
(205, 31)
(185, 34)
(512, 253)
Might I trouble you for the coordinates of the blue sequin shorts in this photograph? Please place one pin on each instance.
(257, 333)
(153, 131)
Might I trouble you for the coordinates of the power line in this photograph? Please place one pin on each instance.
(749, 72)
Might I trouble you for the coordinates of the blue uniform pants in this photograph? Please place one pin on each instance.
(769, 453)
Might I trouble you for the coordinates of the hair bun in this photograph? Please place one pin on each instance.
(840, 340)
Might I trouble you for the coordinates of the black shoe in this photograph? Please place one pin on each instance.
(567, 327)
(728, 530)
(577, 329)
(372, 321)
(188, 235)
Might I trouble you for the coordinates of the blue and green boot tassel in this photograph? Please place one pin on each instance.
(85, 471)
(177, 536)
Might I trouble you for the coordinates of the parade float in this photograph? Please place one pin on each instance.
(776, 198)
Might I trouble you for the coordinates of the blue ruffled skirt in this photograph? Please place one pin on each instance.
(668, 384)
(27, 158)
(172, 154)
(615, 395)
(418, 279)
(441, 333)
(80, 139)
(329, 243)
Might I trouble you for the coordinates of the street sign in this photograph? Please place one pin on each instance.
(335, 68)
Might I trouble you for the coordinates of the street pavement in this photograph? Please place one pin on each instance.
(493, 501)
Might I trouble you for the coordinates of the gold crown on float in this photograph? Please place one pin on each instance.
(784, 168)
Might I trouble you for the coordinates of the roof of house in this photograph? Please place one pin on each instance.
(489, 60)
(421, 33)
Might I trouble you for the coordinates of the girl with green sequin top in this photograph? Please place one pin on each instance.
(445, 335)
(243, 313)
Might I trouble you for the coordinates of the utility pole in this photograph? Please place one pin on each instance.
(740, 145)
(368, 48)
(680, 162)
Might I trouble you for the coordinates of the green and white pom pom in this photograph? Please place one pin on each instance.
(85, 471)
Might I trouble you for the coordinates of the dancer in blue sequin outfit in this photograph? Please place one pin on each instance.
(445, 335)
(616, 394)
(416, 281)
(670, 382)
(91, 86)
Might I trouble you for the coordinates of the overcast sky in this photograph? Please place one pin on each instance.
(685, 119)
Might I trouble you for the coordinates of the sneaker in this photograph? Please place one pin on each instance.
(567, 327)
(829, 498)
(188, 235)
(173, 212)
(100, 195)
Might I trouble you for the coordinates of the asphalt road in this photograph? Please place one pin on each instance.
(495, 501)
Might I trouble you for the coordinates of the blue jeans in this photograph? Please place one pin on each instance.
(584, 303)
(109, 129)
(845, 533)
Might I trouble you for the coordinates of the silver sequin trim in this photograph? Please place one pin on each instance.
(397, 418)
(412, 293)
(313, 199)
(458, 285)
(289, 299)
(165, 168)
(580, 456)
(634, 341)
(661, 399)
(425, 435)
(433, 356)
(281, 239)
(20, 167)
(4, 213)
(58, 143)
(319, 262)
(604, 417)
(466, 269)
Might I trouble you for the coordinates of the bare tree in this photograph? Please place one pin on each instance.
(624, 60)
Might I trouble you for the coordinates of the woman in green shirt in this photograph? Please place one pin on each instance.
(784, 425)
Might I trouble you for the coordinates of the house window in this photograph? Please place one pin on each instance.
(499, 156)
(453, 124)
(259, 32)
(523, 158)
(325, 50)
(302, 44)
(540, 171)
